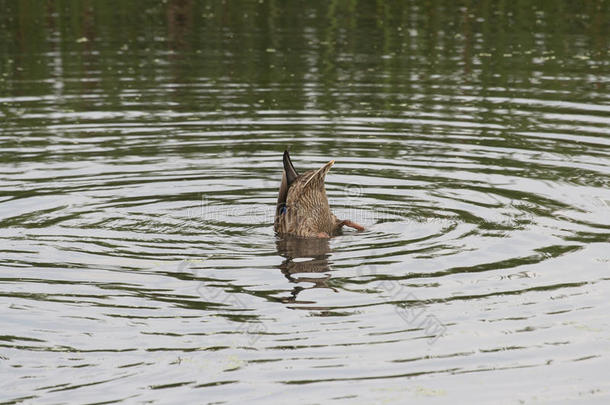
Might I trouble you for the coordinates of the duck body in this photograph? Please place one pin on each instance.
(302, 206)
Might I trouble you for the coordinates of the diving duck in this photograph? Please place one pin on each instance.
(302, 206)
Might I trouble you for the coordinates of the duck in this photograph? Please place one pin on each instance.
(302, 205)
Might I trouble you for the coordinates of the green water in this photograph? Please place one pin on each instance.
(140, 155)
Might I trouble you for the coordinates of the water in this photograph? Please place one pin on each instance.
(140, 156)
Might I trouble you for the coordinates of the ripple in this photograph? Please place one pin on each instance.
(139, 181)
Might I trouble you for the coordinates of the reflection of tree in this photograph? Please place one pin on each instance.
(323, 32)
(327, 56)
(179, 23)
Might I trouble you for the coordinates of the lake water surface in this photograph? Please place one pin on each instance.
(140, 156)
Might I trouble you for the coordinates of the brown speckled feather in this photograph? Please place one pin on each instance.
(302, 206)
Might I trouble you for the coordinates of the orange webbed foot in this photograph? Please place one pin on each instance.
(352, 224)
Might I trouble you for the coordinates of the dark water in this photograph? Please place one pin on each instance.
(140, 154)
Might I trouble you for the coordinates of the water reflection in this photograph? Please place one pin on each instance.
(477, 133)
(303, 256)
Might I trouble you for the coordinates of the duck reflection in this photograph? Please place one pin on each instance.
(304, 256)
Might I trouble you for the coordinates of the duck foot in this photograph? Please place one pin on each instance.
(352, 224)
